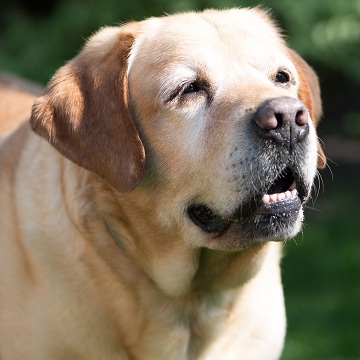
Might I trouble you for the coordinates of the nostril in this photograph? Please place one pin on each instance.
(301, 117)
(280, 120)
(267, 122)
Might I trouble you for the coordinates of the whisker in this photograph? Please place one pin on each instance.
(302, 238)
(252, 183)
(313, 209)
(331, 172)
(327, 159)
(321, 184)
(322, 142)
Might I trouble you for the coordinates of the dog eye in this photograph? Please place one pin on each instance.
(282, 77)
(191, 88)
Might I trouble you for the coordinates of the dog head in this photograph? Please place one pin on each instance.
(224, 111)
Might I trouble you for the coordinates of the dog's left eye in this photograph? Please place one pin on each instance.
(282, 77)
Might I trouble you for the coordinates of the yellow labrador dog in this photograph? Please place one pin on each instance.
(180, 151)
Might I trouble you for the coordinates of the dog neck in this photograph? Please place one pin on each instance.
(160, 289)
(210, 306)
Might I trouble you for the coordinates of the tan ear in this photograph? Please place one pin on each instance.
(309, 94)
(85, 113)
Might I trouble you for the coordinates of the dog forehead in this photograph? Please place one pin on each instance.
(233, 30)
(211, 39)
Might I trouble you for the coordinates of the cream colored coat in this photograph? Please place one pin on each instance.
(98, 258)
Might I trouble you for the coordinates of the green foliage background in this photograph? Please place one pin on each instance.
(321, 267)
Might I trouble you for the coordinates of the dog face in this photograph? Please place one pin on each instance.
(221, 109)
(205, 100)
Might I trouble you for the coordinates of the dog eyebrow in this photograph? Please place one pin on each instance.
(174, 77)
(177, 76)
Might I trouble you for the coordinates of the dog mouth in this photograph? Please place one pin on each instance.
(281, 203)
(285, 194)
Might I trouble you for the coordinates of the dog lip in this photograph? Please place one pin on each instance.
(210, 222)
(279, 203)
(284, 207)
(206, 219)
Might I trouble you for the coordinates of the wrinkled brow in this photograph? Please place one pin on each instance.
(177, 75)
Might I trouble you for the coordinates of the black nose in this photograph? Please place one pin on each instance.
(282, 119)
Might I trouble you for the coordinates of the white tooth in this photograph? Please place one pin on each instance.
(281, 196)
(266, 199)
(292, 186)
(288, 194)
(273, 197)
(294, 192)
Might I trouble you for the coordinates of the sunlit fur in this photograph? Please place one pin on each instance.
(98, 257)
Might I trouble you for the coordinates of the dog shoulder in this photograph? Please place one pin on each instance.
(16, 98)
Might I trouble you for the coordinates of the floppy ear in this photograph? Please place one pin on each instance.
(309, 94)
(85, 112)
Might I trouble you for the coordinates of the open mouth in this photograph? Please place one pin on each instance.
(283, 195)
(283, 198)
